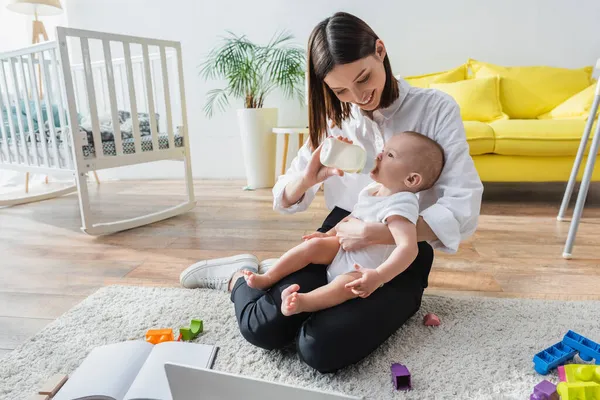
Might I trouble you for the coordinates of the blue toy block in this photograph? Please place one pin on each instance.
(552, 357)
(588, 350)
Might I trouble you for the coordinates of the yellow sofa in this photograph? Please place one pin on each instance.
(511, 149)
(526, 150)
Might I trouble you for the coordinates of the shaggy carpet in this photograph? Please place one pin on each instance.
(482, 350)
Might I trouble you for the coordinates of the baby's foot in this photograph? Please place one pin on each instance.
(257, 281)
(291, 301)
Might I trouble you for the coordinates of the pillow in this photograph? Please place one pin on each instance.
(453, 75)
(479, 99)
(575, 107)
(527, 92)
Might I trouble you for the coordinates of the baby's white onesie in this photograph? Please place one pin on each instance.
(371, 208)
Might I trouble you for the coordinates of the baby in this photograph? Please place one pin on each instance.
(409, 163)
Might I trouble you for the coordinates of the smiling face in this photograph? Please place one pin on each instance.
(360, 82)
(409, 162)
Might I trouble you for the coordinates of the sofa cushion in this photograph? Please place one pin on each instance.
(479, 99)
(577, 106)
(527, 92)
(480, 137)
(538, 137)
(453, 75)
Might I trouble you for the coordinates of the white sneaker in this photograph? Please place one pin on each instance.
(216, 273)
(264, 265)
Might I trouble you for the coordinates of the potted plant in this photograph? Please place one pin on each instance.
(252, 72)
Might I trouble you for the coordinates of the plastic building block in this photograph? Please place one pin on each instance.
(53, 384)
(196, 327)
(400, 377)
(544, 390)
(588, 350)
(431, 320)
(579, 373)
(156, 336)
(552, 357)
(578, 390)
(561, 374)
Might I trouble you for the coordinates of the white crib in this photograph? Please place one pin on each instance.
(64, 118)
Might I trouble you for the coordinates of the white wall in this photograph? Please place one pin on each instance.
(421, 36)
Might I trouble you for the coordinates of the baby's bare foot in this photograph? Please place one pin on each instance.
(291, 301)
(257, 281)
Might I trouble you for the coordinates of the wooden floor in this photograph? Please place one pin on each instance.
(47, 265)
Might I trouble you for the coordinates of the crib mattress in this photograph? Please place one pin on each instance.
(109, 146)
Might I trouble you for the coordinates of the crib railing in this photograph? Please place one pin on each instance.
(121, 90)
(104, 93)
(29, 79)
(82, 75)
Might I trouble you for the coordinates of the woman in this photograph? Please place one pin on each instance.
(353, 94)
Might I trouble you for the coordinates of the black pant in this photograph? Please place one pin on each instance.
(334, 338)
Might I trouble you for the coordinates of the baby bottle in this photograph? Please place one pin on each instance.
(345, 156)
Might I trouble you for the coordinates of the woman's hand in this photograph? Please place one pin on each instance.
(369, 281)
(314, 235)
(352, 234)
(316, 172)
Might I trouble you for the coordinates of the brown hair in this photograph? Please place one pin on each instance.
(340, 39)
(429, 159)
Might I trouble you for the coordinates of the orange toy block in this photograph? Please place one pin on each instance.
(156, 336)
(53, 384)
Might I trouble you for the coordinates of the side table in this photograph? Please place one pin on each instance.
(286, 132)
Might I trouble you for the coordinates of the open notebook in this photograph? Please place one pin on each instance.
(132, 370)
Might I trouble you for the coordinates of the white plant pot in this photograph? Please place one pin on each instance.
(258, 145)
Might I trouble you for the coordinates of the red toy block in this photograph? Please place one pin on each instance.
(431, 320)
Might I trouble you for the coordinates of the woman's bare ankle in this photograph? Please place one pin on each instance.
(234, 279)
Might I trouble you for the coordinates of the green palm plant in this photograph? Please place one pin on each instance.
(252, 71)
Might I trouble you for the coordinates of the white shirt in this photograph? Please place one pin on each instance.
(371, 208)
(451, 207)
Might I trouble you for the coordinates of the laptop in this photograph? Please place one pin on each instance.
(192, 383)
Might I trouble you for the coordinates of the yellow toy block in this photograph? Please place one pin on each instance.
(580, 373)
(156, 336)
(578, 390)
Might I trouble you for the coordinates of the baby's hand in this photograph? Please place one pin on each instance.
(314, 235)
(367, 283)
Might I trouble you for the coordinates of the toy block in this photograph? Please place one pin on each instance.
(561, 373)
(588, 350)
(400, 377)
(552, 357)
(431, 320)
(196, 327)
(156, 336)
(544, 390)
(53, 384)
(40, 397)
(580, 373)
(578, 390)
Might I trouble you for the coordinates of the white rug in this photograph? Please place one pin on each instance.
(482, 350)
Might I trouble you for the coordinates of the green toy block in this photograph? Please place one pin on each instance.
(188, 333)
